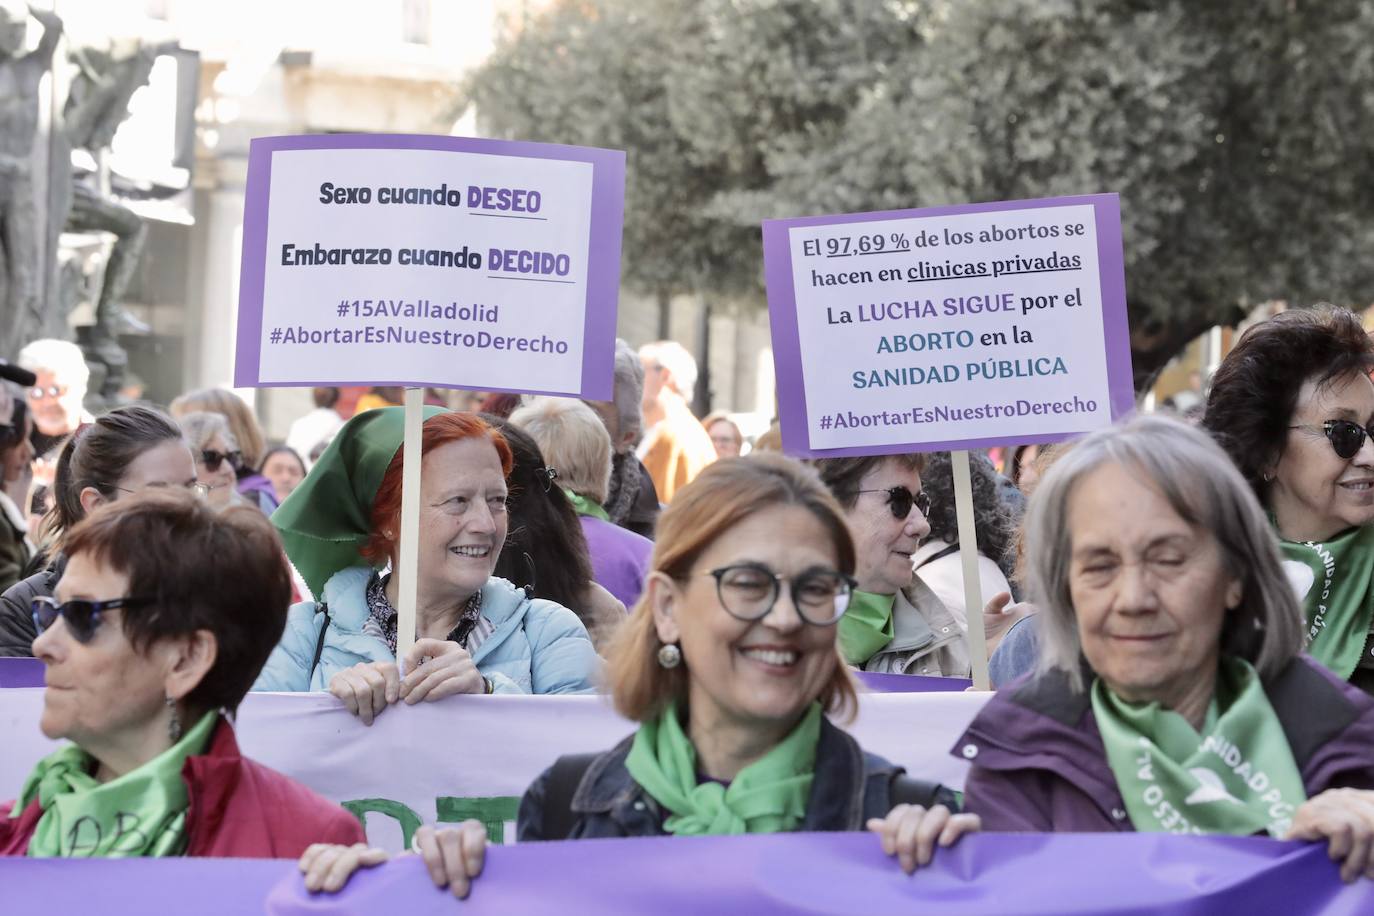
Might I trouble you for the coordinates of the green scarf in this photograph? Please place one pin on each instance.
(329, 515)
(1339, 606)
(585, 506)
(1237, 778)
(142, 813)
(866, 626)
(768, 796)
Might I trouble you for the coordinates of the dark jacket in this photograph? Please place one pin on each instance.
(17, 631)
(1039, 763)
(14, 551)
(849, 787)
(239, 810)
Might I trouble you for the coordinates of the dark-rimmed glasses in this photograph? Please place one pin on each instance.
(213, 459)
(82, 616)
(901, 499)
(748, 591)
(1346, 436)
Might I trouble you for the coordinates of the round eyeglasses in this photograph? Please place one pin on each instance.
(748, 591)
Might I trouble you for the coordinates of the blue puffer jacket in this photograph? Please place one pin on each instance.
(537, 647)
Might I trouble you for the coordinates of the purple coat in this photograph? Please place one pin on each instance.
(1039, 764)
(620, 558)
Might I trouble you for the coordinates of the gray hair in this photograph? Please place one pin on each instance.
(60, 357)
(200, 426)
(629, 389)
(674, 357)
(1205, 489)
(573, 440)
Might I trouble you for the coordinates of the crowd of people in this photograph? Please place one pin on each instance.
(1180, 623)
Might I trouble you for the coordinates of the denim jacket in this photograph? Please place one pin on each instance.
(849, 787)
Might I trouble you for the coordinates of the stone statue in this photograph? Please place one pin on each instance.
(21, 308)
(97, 104)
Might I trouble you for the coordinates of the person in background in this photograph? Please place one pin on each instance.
(285, 469)
(164, 614)
(56, 399)
(123, 452)
(244, 430)
(546, 550)
(770, 440)
(631, 500)
(381, 396)
(894, 623)
(474, 633)
(16, 453)
(217, 457)
(499, 404)
(1293, 406)
(729, 667)
(725, 434)
(937, 561)
(1171, 694)
(676, 447)
(574, 442)
(319, 425)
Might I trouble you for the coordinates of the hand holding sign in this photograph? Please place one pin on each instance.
(438, 668)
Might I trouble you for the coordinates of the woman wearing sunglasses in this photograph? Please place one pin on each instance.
(729, 664)
(146, 658)
(123, 452)
(218, 458)
(1293, 405)
(894, 623)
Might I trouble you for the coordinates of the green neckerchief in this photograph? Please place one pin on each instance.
(329, 515)
(142, 813)
(1339, 606)
(768, 796)
(1237, 778)
(585, 506)
(866, 626)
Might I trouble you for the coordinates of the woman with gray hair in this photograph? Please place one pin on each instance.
(631, 500)
(1170, 695)
(577, 447)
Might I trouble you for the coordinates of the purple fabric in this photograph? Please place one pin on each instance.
(788, 873)
(21, 672)
(822, 873)
(259, 491)
(911, 683)
(1035, 770)
(620, 558)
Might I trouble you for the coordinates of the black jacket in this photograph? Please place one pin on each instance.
(17, 631)
(849, 787)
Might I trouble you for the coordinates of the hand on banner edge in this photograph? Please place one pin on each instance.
(911, 832)
(1345, 819)
(454, 855)
(328, 866)
(367, 688)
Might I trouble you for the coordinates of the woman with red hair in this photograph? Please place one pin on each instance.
(475, 633)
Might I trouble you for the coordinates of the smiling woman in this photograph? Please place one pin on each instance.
(1171, 695)
(475, 633)
(1293, 405)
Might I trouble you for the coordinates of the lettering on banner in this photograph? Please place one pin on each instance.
(494, 811)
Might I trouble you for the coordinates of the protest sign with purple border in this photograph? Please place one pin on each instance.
(950, 327)
(374, 259)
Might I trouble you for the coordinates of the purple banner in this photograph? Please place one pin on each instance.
(21, 672)
(812, 873)
(911, 683)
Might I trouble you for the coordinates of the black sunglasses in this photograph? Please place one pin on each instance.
(1346, 437)
(900, 500)
(214, 459)
(82, 616)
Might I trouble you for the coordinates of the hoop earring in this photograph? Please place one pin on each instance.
(670, 656)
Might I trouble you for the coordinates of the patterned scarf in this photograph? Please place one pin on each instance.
(381, 616)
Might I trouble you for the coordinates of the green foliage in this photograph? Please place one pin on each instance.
(1236, 134)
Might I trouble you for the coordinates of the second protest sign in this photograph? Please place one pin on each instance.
(948, 328)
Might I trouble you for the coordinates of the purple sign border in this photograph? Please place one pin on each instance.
(782, 316)
(603, 247)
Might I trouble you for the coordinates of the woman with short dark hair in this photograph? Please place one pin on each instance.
(165, 613)
(895, 623)
(1293, 405)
